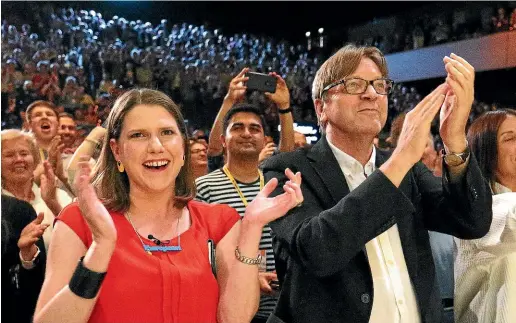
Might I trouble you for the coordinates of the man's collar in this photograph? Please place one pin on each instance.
(350, 164)
(498, 188)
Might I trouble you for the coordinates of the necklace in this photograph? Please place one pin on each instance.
(148, 248)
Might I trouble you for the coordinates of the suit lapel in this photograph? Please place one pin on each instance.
(325, 164)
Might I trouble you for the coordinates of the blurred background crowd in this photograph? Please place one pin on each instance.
(81, 60)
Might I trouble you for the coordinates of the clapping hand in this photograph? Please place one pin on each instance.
(54, 157)
(416, 127)
(48, 184)
(94, 212)
(457, 106)
(264, 209)
(30, 235)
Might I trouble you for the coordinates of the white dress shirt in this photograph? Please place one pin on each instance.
(394, 298)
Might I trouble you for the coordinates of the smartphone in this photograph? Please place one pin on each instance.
(261, 82)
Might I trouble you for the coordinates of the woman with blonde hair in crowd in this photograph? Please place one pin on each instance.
(137, 233)
(485, 268)
(20, 157)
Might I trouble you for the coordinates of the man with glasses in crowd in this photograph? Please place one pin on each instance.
(199, 157)
(363, 224)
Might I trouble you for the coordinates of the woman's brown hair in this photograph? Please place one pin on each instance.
(343, 63)
(482, 139)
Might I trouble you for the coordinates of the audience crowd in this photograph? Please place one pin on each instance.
(417, 30)
(81, 61)
(62, 72)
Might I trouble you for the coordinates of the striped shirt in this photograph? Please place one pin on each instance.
(216, 187)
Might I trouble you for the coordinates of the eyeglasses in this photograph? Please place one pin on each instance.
(356, 85)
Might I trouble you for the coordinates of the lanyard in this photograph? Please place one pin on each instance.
(232, 179)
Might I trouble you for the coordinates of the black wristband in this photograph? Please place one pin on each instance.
(285, 111)
(85, 283)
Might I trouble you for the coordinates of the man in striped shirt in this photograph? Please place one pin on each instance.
(238, 183)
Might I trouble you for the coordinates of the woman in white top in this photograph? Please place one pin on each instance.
(19, 160)
(485, 268)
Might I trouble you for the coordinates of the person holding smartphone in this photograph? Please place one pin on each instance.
(236, 94)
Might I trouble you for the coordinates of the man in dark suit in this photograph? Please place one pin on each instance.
(363, 224)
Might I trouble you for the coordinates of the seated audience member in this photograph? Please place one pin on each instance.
(137, 217)
(199, 162)
(19, 159)
(485, 268)
(23, 259)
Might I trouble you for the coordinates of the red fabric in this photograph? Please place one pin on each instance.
(164, 287)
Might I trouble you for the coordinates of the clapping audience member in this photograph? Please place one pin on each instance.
(19, 160)
(485, 288)
(362, 230)
(138, 216)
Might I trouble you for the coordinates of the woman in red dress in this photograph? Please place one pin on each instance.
(135, 248)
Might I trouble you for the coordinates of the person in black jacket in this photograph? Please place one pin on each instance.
(363, 224)
(23, 259)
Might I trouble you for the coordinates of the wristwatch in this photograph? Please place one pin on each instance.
(30, 263)
(456, 159)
